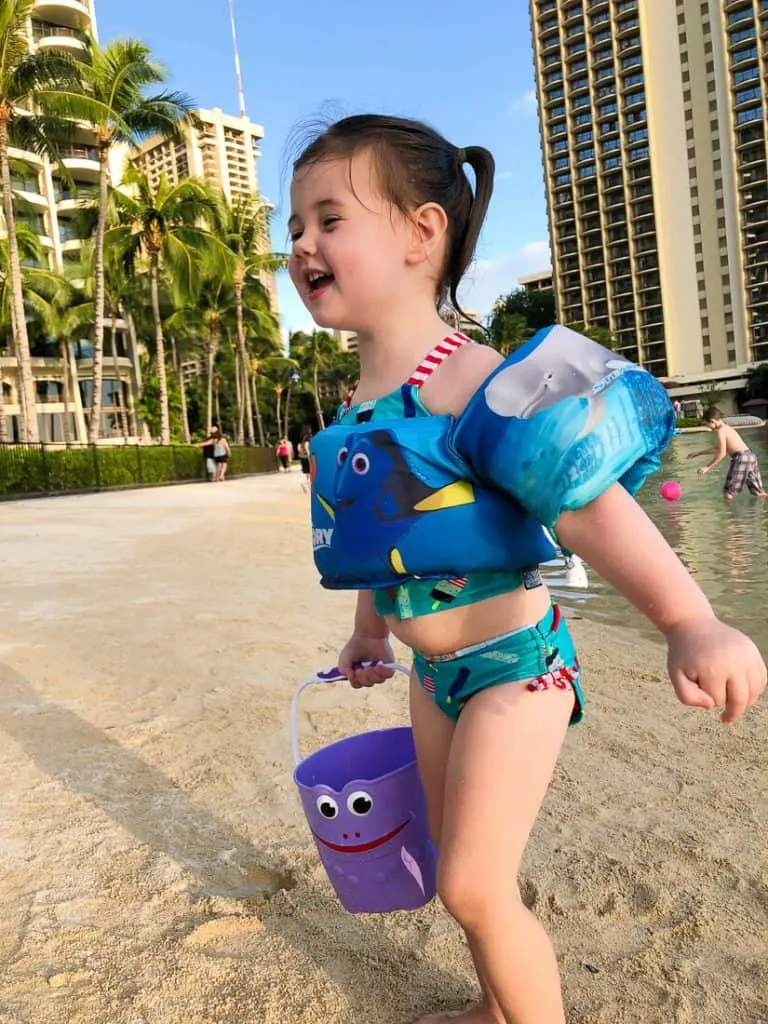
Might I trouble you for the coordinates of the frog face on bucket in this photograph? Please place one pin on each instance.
(356, 820)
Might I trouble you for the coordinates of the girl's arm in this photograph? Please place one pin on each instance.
(710, 664)
(620, 542)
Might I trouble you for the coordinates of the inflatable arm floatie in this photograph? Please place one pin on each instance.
(560, 421)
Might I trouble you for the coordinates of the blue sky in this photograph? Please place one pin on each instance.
(470, 76)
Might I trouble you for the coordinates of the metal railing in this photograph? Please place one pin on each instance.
(30, 470)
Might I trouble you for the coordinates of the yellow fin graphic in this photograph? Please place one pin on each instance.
(461, 492)
(396, 561)
(328, 508)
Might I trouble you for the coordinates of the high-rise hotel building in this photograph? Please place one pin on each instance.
(653, 120)
(221, 149)
(49, 204)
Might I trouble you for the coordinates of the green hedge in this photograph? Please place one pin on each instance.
(28, 470)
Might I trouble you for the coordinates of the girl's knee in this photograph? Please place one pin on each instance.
(472, 896)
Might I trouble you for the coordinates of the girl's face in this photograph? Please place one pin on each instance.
(350, 245)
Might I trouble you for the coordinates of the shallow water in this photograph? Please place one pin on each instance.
(724, 545)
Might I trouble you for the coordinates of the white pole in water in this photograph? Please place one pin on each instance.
(240, 92)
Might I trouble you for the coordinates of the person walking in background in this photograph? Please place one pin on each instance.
(303, 453)
(744, 468)
(208, 446)
(221, 456)
(284, 453)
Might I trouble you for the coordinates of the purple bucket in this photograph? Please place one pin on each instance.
(365, 806)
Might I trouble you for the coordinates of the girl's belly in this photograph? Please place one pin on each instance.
(447, 631)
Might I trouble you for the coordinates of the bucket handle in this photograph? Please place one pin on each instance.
(331, 675)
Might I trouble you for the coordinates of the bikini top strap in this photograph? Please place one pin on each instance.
(438, 355)
(426, 367)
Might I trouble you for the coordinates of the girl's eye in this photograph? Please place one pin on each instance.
(295, 236)
(328, 222)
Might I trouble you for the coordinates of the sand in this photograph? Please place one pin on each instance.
(155, 866)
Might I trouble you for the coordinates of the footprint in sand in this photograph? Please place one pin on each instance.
(215, 936)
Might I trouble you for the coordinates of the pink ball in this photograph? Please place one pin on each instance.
(671, 490)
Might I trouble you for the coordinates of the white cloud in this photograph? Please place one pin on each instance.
(525, 103)
(487, 279)
(504, 175)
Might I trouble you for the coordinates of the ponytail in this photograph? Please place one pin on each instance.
(462, 246)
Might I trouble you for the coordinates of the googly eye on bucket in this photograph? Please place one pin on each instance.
(365, 807)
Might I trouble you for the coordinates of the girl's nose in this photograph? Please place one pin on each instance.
(305, 246)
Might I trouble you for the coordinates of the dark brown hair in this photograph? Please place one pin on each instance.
(712, 413)
(417, 165)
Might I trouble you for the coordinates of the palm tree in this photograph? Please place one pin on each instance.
(208, 316)
(168, 227)
(262, 348)
(280, 372)
(35, 90)
(36, 281)
(114, 78)
(314, 353)
(245, 225)
(61, 315)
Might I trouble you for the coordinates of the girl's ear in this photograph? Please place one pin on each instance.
(429, 228)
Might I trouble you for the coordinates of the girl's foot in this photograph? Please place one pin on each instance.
(475, 1015)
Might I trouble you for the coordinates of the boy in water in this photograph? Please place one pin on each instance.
(744, 467)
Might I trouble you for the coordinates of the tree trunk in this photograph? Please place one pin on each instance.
(116, 370)
(162, 381)
(64, 356)
(278, 393)
(218, 411)
(316, 393)
(210, 355)
(259, 421)
(238, 398)
(286, 410)
(27, 395)
(187, 437)
(97, 373)
(243, 355)
(3, 420)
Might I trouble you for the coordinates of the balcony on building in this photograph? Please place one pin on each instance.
(573, 13)
(602, 58)
(82, 161)
(593, 240)
(27, 189)
(71, 13)
(60, 37)
(612, 182)
(738, 10)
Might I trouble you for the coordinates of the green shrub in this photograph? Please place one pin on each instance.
(689, 421)
(37, 470)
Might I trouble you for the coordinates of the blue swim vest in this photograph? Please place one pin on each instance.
(552, 428)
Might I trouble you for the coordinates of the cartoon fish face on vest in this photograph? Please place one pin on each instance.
(392, 500)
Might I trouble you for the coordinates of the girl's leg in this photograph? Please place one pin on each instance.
(433, 733)
(503, 754)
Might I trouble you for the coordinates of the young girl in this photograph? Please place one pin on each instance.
(384, 224)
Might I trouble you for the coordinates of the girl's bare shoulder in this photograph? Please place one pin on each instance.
(452, 385)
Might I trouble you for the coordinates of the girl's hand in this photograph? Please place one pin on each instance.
(712, 665)
(365, 648)
(702, 470)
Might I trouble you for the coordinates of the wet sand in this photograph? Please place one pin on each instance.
(156, 866)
